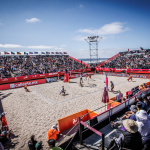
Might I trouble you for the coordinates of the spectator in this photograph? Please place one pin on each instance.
(51, 144)
(131, 138)
(39, 146)
(4, 122)
(130, 114)
(119, 96)
(4, 138)
(31, 143)
(143, 125)
(53, 133)
(141, 105)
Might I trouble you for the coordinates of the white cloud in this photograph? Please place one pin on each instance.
(10, 46)
(45, 47)
(30, 47)
(107, 29)
(80, 38)
(32, 20)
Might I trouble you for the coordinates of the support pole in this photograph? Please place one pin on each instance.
(103, 141)
(128, 102)
(80, 131)
(109, 111)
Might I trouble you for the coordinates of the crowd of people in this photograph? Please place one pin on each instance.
(13, 66)
(134, 125)
(130, 60)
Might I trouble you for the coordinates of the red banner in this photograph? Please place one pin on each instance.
(21, 84)
(79, 61)
(145, 76)
(40, 76)
(145, 71)
(106, 61)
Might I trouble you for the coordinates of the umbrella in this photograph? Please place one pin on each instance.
(105, 98)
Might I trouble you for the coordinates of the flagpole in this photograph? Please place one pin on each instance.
(106, 90)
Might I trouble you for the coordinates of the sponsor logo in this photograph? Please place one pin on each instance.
(54, 79)
(75, 120)
(5, 79)
(12, 86)
(22, 84)
(53, 73)
(42, 75)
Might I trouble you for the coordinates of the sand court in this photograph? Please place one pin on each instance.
(36, 111)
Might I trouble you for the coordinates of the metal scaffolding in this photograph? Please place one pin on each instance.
(93, 47)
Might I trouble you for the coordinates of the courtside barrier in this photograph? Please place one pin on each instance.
(145, 76)
(124, 70)
(21, 84)
(40, 76)
(69, 121)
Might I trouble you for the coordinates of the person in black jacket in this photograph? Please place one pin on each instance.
(131, 138)
(31, 143)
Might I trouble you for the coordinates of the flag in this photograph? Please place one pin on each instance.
(60, 53)
(30, 52)
(18, 53)
(52, 52)
(128, 50)
(35, 52)
(25, 53)
(6, 53)
(65, 52)
(66, 77)
(57, 52)
(42, 52)
(47, 53)
(106, 83)
(12, 53)
(105, 98)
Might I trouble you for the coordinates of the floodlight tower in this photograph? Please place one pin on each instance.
(93, 47)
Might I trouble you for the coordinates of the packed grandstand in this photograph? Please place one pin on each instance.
(23, 65)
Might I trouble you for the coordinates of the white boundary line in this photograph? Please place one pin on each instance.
(35, 92)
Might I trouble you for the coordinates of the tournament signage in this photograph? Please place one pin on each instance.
(22, 84)
(53, 79)
(126, 75)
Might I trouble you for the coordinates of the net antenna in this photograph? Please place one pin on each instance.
(93, 47)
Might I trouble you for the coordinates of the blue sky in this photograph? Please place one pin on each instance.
(63, 25)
